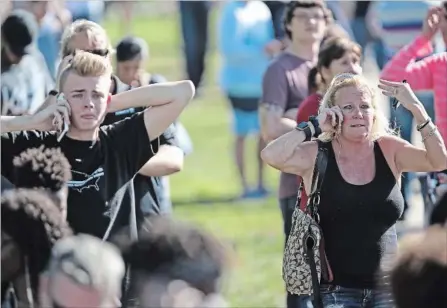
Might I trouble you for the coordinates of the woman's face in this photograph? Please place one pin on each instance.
(348, 63)
(355, 103)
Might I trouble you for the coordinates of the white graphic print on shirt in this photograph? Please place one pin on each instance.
(85, 181)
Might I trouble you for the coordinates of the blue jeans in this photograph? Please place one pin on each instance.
(92, 10)
(363, 37)
(340, 16)
(277, 10)
(194, 23)
(340, 297)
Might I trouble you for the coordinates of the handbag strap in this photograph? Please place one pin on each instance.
(317, 181)
(317, 177)
(312, 208)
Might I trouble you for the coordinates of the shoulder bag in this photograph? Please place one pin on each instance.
(305, 261)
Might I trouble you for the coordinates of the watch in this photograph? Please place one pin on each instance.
(314, 121)
(304, 127)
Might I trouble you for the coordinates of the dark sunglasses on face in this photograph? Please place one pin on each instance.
(99, 52)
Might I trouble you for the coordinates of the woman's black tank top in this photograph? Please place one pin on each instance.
(358, 223)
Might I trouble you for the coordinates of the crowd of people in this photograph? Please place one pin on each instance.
(87, 150)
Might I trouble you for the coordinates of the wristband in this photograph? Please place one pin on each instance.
(53, 93)
(304, 127)
(316, 125)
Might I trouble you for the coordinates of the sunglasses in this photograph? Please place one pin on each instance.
(99, 52)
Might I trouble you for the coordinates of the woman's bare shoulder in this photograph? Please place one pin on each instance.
(391, 142)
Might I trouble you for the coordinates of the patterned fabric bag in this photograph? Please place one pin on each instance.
(304, 260)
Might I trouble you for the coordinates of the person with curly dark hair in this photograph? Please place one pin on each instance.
(167, 252)
(44, 168)
(31, 223)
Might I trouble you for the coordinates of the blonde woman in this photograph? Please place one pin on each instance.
(360, 198)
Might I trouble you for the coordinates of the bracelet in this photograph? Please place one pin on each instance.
(421, 126)
(53, 93)
(431, 133)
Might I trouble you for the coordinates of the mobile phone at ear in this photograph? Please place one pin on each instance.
(337, 121)
(64, 131)
(65, 127)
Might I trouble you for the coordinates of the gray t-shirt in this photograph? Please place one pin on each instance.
(285, 85)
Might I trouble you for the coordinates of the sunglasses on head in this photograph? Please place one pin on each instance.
(99, 52)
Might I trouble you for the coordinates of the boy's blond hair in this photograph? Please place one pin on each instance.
(85, 64)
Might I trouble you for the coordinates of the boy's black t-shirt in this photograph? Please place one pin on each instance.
(99, 170)
(147, 190)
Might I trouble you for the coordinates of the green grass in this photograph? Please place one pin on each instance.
(255, 228)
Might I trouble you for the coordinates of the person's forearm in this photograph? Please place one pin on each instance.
(434, 144)
(167, 161)
(280, 150)
(277, 129)
(16, 123)
(151, 95)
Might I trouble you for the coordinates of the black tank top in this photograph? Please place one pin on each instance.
(358, 223)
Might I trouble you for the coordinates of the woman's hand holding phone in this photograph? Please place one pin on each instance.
(330, 119)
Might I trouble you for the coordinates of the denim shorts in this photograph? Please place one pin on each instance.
(339, 297)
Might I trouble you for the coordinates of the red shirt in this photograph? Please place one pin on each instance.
(307, 108)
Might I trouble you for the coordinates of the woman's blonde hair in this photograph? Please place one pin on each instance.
(380, 123)
(93, 31)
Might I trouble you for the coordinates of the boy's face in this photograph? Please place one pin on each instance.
(130, 71)
(307, 24)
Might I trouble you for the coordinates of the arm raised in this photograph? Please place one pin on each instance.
(167, 101)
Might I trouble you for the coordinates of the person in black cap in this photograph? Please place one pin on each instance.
(132, 54)
(19, 31)
(25, 79)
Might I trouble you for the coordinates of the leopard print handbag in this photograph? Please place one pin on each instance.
(304, 251)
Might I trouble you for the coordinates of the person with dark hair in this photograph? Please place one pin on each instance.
(284, 87)
(168, 251)
(25, 79)
(132, 55)
(419, 278)
(337, 55)
(31, 223)
(152, 186)
(44, 168)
